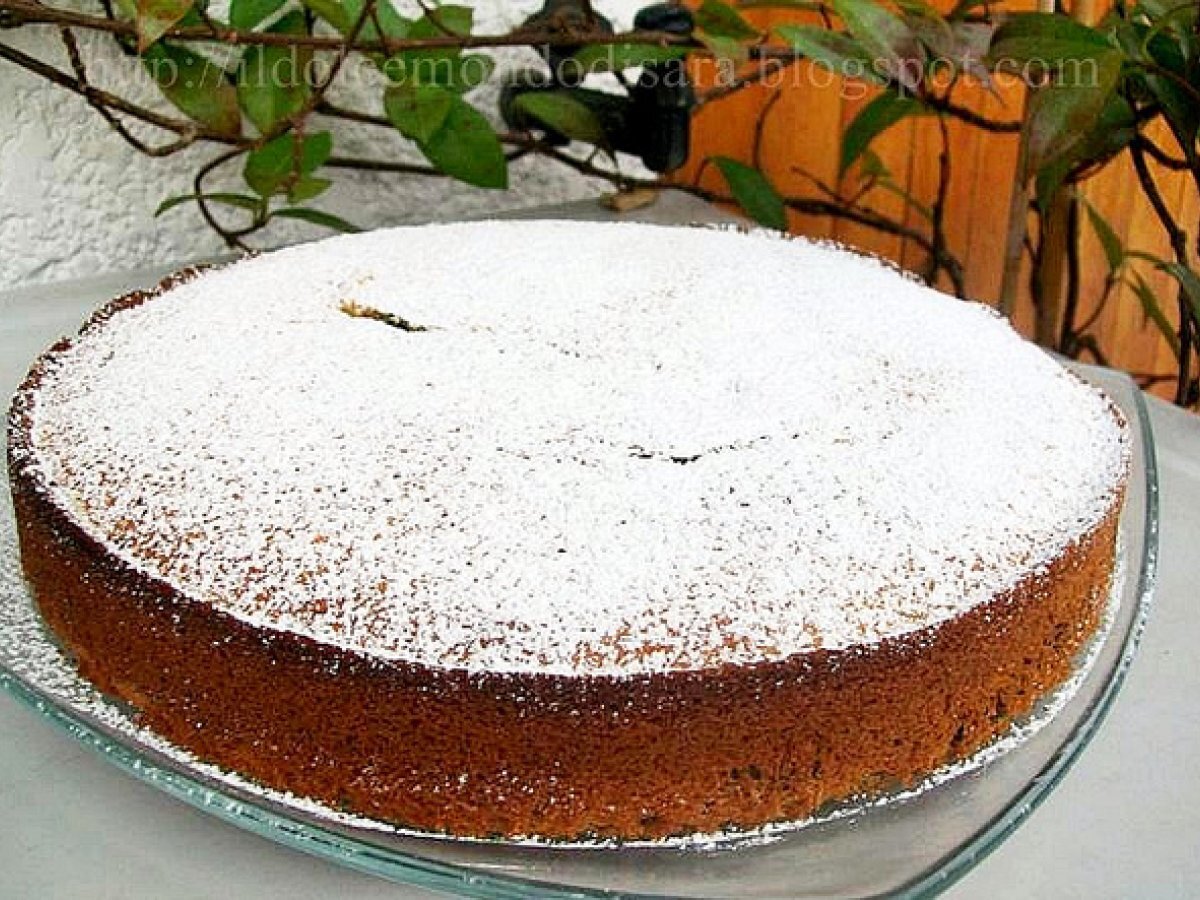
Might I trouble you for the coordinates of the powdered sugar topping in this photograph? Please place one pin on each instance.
(612, 449)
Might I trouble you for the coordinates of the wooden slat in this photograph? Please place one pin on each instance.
(987, 185)
(798, 139)
(804, 133)
(894, 148)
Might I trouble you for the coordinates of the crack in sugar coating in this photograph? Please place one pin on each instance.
(613, 449)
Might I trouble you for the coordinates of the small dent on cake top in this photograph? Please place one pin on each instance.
(685, 448)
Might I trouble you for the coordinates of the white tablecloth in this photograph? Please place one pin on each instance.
(1124, 823)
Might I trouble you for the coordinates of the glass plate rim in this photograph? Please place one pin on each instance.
(317, 840)
(953, 868)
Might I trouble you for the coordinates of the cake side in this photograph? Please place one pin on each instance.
(559, 756)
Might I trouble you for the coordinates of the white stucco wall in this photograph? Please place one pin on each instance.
(76, 200)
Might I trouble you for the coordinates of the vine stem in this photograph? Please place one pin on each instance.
(27, 12)
(96, 101)
(1178, 241)
(1050, 270)
(1066, 335)
(232, 238)
(839, 207)
(770, 58)
(1018, 209)
(1051, 278)
(95, 95)
(937, 223)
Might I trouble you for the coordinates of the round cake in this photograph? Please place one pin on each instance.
(562, 529)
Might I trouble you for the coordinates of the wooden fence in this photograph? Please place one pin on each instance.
(793, 124)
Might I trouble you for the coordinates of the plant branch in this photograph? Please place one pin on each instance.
(23, 12)
(325, 108)
(760, 127)
(1178, 240)
(583, 167)
(937, 219)
(319, 91)
(232, 238)
(96, 100)
(1161, 156)
(182, 127)
(382, 165)
(767, 69)
(1017, 226)
(1067, 334)
(943, 104)
(873, 219)
(840, 207)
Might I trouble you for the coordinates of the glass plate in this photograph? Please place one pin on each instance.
(909, 845)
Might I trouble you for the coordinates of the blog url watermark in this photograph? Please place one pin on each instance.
(853, 78)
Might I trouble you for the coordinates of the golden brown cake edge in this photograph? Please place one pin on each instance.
(555, 756)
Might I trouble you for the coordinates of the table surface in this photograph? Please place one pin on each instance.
(1125, 822)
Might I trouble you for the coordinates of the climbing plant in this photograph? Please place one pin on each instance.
(256, 82)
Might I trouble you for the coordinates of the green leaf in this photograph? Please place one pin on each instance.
(335, 13)
(918, 8)
(561, 112)
(1112, 131)
(835, 50)
(969, 49)
(614, 57)
(156, 17)
(242, 201)
(272, 82)
(1153, 312)
(886, 38)
(872, 166)
(1179, 106)
(280, 163)
(754, 193)
(966, 7)
(719, 19)
(195, 86)
(1062, 114)
(1174, 12)
(1050, 178)
(469, 71)
(1114, 253)
(892, 188)
(343, 14)
(418, 111)
(1045, 39)
(875, 175)
(1128, 35)
(466, 148)
(441, 66)
(800, 5)
(456, 72)
(1188, 280)
(935, 34)
(316, 217)
(929, 26)
(308, 187)
(394, 25)
(247, 14)
(725, 47)
(441, 20)
(872, 120)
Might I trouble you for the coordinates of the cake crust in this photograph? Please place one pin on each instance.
(560, 755)
(568, 757)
